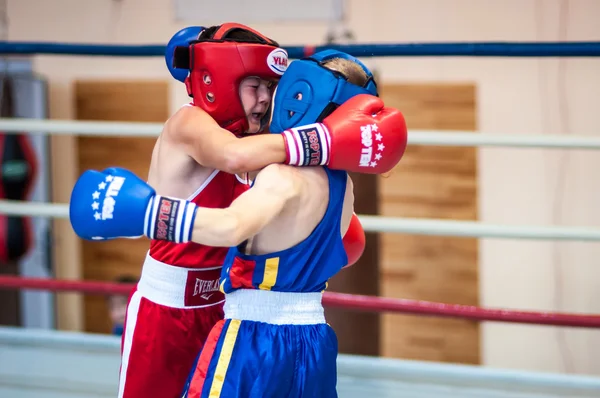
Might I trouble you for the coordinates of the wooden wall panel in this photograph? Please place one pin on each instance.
(431, 182)
(141, 101)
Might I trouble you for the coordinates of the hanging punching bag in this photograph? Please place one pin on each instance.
(18, 169)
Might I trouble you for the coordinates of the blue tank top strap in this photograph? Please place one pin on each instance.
(337, 190)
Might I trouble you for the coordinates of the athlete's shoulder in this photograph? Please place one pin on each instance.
(187, 118)
(280, 178)
(276, 172)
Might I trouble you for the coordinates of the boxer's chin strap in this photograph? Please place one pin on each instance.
(170, 219)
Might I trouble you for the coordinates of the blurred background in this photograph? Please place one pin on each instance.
(478, 95)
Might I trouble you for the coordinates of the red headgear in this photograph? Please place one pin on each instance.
(217, 66)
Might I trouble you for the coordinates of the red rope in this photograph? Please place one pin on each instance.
(56, 285)
(351, 301)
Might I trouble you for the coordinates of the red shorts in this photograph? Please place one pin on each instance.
(169, 317)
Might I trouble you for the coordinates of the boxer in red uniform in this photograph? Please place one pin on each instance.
(177, 301)
(231, 72)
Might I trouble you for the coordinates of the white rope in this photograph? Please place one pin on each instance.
(379, 224)
(473, 229)
(34, 209)
(83, 128)
(468, 139)
(415, 137)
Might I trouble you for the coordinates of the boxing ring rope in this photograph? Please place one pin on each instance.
(416, 137)
(468, 49)
(413, 226)
(341, 300)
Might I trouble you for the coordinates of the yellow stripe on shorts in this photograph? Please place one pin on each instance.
(270, 276)
(224, 358)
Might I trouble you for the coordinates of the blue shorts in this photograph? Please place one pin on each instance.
(247, 359)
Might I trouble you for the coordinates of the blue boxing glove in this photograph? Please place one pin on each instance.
(116, 203)
(181, 39)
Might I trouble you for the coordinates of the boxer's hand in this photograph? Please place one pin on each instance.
(362, 136)
(116, 203)
(354, 240)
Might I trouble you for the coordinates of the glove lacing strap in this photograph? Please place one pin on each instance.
(170, 219)
(308, 145)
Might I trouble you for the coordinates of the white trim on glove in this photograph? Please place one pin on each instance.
(170, 219)
(308, 145)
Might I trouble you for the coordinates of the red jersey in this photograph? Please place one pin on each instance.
(218, 192)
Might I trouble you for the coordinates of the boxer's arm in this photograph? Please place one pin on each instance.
(353, 235)
(348, 206)
(212, 146)
(273, 188)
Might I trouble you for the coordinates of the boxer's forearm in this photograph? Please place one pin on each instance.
(249, 213)
(227, 227)
(216, 227)
(254, 153)
(208, 144)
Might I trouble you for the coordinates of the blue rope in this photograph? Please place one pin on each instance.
(483, 49)
(573, 49)
(26, 48)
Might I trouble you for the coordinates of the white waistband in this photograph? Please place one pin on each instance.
(276, 308)
(173, 286)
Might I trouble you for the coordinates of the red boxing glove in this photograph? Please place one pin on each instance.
(362, 136)
(354, 240)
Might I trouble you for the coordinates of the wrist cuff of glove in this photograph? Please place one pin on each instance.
(307, 145)
(170, 219)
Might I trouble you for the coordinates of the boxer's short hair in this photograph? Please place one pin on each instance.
(351, 70)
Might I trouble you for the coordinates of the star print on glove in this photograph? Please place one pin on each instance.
(366, 158)
(102, 187)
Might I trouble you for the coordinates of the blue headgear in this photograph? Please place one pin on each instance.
(322, 89)
(181, 38)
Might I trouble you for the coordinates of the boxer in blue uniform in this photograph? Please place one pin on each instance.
(274, 341)
(289, 234)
